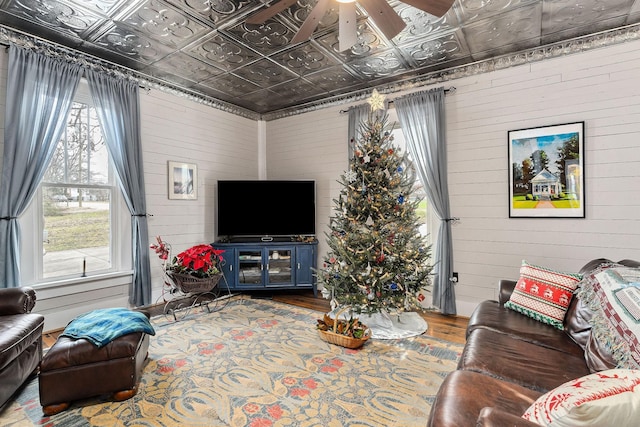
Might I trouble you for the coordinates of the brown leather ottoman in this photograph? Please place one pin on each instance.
(75, 369)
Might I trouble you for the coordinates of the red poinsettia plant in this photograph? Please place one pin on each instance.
(198, 261)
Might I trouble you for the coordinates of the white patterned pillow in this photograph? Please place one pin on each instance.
(543, 294)
(607, 398)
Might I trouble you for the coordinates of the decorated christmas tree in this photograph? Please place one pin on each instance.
(378, 260)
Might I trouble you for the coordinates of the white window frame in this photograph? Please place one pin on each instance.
(32, 234)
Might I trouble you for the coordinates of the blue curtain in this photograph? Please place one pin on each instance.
(117, 103)
(357, 115)
(421, 116)
(40, 93)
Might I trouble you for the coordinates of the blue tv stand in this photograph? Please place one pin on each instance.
(269, 265)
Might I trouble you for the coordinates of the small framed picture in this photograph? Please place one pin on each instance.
(183, 181)
(546, 172)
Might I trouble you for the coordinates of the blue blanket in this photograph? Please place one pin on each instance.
(100, 327)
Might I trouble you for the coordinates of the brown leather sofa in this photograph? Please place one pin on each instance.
(509, 360)
(20, 339)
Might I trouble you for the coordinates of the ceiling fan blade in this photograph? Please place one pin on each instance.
(347, 26)
(434, 7)
(271, 11)
(389, 22)
(311, 23)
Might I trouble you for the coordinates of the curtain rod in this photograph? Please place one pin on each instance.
(79, 54)
(452, 89)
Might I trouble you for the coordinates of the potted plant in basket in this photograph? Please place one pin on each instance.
(347, 333)
(192, 270)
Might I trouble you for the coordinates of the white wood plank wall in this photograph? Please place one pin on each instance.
(222, 145)
(311, 146)
(598, 87)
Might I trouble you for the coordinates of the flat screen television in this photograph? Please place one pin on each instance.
(266, 208)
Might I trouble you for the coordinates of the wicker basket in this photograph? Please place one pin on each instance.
(343, 340)
(193, 285)
(333, 337)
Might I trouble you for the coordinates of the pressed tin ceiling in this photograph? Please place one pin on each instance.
(205, 48)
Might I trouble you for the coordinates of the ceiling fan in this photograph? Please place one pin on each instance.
(385, 18)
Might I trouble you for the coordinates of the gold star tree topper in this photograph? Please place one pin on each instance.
(376, 101)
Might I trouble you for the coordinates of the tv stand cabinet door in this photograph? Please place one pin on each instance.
(251, 267)
(229, 267)
(280, 266)
(305, 265)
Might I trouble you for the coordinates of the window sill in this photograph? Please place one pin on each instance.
(82, 284)
(60, 301)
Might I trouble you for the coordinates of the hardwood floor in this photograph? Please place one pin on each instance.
(450, 328)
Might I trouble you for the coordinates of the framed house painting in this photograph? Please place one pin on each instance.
(546, 171)
(183, 181)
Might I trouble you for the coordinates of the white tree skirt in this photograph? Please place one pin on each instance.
(386, 326)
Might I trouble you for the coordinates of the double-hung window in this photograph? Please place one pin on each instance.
(76, 212)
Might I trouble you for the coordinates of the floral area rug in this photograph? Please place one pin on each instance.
(261, 363)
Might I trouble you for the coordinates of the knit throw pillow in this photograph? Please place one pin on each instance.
(543, 294)
(607, 398)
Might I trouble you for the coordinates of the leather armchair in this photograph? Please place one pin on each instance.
(20, 339)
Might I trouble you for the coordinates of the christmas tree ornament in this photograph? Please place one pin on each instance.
(376, 101)
(351, 176)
